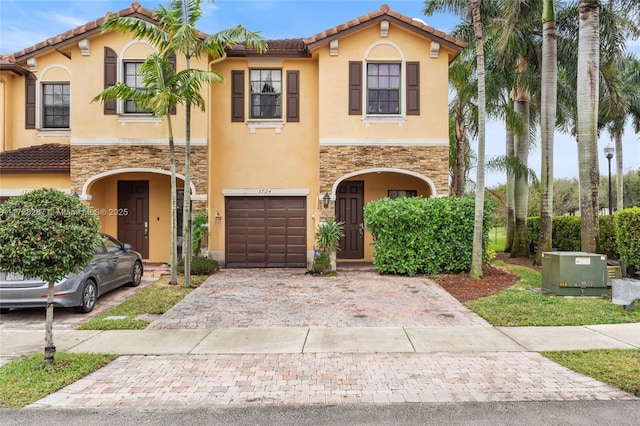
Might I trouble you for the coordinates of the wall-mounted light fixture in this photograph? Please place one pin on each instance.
(325, 200)
(218, 216)
(75, 195)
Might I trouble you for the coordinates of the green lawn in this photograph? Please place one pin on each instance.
(156, 298)
(520, 306)
(497, 239)
(25, 380)
(617, 367)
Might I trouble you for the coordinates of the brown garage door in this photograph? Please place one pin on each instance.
(266, 232)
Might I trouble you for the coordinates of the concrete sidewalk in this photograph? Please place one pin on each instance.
(296, 340)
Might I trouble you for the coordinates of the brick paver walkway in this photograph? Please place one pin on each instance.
(273, 379)
(289, 298)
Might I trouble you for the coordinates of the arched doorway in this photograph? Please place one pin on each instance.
(354, 190)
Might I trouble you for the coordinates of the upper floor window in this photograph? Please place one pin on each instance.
(133, 78)
(266, 93)
(383, 88)
(55, 105)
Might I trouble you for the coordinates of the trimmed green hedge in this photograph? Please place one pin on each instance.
(566, 232)
(618, 238)
(424, 235)
(628, 235)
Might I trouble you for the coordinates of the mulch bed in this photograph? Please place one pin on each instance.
(493, 280)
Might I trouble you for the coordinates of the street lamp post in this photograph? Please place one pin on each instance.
(608, 152)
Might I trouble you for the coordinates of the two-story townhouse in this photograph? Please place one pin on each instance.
(113, 155)
(316, 127)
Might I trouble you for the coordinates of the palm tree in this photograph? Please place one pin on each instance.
(549, 89)
(462, 109)
(476, 256)
(587, 96)
(180, 24)
(627, 106)
(173, 32)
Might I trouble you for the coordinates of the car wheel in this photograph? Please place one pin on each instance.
(136, 274)
(89, 296)
(4, 311)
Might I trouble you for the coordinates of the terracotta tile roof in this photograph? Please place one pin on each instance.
(385, 13)
(8, 63)
(283, 47)
(52, 158)
(80, 32)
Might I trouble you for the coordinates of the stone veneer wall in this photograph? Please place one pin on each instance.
(89, 160)
(429, 161)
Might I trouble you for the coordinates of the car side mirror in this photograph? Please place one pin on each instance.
(126, 247)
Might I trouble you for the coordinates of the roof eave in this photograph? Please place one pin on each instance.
(30, 170)
(14, 68)
(49, 44)
(456, 47)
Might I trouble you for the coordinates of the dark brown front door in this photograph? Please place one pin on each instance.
(266, 232)
(349, 205)
(133, 214)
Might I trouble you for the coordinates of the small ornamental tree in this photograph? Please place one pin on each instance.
(48, 234)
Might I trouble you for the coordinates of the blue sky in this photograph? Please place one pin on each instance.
(24, 23)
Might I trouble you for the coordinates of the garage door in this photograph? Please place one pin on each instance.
(266, 232)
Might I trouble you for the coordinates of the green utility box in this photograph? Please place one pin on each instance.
(574, 273)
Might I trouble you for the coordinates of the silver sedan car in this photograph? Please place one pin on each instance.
(114, 264)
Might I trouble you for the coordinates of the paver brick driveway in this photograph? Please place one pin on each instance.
(290, 298)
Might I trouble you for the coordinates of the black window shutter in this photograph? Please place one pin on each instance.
(172, 60)
(355, 88)
(110, 78)
(413, 88)
(237, 95)
(293, 96)
(30, 102)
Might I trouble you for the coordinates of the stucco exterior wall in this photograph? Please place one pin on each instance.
(264, 160)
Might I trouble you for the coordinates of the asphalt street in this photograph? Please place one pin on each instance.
(583, 413)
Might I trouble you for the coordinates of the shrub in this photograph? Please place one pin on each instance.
(418, 235)
(322, 263)
(566, 234)
(628, 235)
(606, 241)
(200, 266)
(200, 230)
(328, 235)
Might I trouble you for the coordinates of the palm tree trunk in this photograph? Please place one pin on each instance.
(49, 349)
(173, 279)
(476, 255)
(619, 173)
(587, 102)
(511, 206)
(186, 230)
(186, 210)
(520, 247)
(549, 83)
(461, 153)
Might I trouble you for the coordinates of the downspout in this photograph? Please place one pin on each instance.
(5, 105)
(218, 218)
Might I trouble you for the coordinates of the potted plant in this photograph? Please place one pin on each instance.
(328, 235)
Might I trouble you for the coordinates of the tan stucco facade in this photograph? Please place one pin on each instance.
(325, 146)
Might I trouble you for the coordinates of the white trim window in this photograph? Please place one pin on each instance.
(56, 101)
(133, 78)
(266, 93)
(383, 88)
